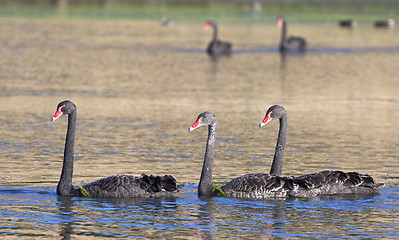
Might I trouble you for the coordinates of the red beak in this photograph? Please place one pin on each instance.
(207, 26)
(195, 125)
(57, 114)
(266, 120)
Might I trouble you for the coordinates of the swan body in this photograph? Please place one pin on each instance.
(349, 23)
(217, 47)
(274, 185)
(389, 23)
(117, 186)
(121, 186)
(261, 185)
(291, 44)
(258, 185)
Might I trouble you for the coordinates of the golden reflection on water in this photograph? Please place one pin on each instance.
(137, 96)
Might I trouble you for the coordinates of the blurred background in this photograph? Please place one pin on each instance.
(235, 11)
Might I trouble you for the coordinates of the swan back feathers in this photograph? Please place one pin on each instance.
(307, 186)
(131, 186)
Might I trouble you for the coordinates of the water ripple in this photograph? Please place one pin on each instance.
(328, 50)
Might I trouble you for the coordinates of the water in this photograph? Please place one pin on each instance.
(37, 212)
(139, 86)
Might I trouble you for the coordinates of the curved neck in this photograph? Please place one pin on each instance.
(65, 187)
(205, 187)
(278, 160)
(283, 33)
(215, 32)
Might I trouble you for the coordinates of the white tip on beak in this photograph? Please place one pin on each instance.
(193, 128)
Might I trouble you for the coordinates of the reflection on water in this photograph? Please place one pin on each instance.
(39, 210)
(137, 92)
(328, 50)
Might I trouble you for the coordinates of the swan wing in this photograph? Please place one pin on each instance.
(334, 182)
(132, 186)
(258, 186)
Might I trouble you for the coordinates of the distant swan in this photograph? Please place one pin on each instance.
(292, 44)
(349, 23)
(389, 23)
(117, 186)
(216, 47)
(273, 185)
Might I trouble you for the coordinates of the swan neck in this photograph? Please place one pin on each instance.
(205, 187)
(215, 32)
(65, 186)
(278, 160)
(283, 34)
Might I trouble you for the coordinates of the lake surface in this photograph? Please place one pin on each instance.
(139, 86)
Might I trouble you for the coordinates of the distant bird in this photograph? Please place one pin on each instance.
(349, 23)
(292, 44)
(389, 23)
(216, 47)
(117, 186)
(165, 22)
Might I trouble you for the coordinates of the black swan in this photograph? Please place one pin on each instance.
(292, 44)
(326, 182)
(389, 23)
(117, 186)
(247, 186)
(216, 47)
(349, 23)
(273, 185)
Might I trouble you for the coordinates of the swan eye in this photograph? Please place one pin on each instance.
(270, 114)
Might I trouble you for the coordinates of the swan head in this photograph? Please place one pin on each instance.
(280, 21)
(391, 22)
(209, 24)
(273, 112)
(204, 119)
(64, 107)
